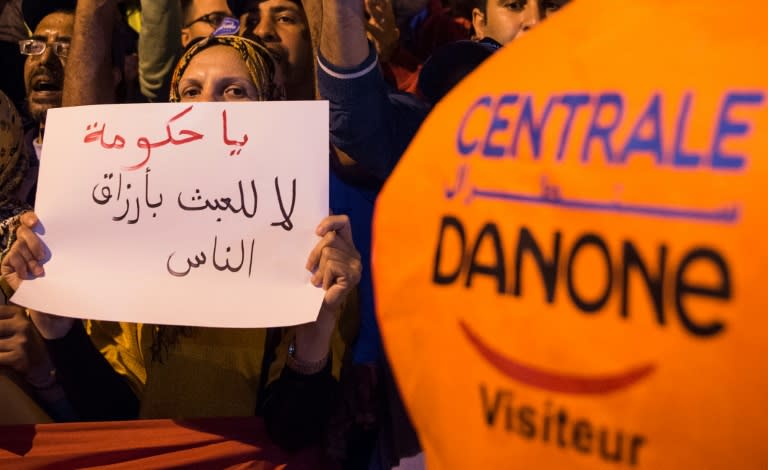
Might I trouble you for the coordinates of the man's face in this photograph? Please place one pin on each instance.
(282, 27)
(506, 20)
(44, 73)
(197, 28)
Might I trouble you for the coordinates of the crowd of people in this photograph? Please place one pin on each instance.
(382, 64)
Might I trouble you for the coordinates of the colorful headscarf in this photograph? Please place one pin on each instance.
(13, 165)
(257, 58)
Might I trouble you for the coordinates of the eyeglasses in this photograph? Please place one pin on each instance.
(214, 19)
(38, 46)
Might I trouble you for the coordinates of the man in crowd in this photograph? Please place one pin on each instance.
(201, 18)
(46, 53)
(167, 27)
(21, 348)
(506, 20)
(283, 26)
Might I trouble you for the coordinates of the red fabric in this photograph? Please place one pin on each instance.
(201, 443)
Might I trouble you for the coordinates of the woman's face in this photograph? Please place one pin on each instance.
(217, 74)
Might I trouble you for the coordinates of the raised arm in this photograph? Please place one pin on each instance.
(302, 390)
(159, 46)
(343, 42)
(369, 122)
(88, 76)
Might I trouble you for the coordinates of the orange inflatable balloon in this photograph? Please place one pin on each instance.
(569, 260)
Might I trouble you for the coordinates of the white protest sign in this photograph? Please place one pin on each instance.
(197, 214)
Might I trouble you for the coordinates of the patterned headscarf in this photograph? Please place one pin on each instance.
(257, 58)
(13, 165)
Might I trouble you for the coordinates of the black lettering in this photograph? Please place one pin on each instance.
(599, 303)
(545, 426)
(562, 420)
(526, 416)
(441, 277)
(634, 448)
(491, 411)
(605, 452)
(683, 288)
(286, 223)
(547, 269)
(582, 436)
(655, 285)
(495, 269)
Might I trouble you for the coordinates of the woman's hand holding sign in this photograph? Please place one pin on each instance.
(25, 261)
(336, 267)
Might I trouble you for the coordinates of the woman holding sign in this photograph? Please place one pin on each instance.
(124, 370)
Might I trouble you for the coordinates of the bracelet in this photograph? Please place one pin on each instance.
(9, 227)
(304, 367)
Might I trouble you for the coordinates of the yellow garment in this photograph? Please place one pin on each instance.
(210, 372)
(133, 17)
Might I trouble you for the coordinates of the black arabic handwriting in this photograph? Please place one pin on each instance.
(201, 259)
(286, 223)
(223, 203)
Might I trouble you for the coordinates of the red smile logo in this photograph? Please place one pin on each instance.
(554, 381)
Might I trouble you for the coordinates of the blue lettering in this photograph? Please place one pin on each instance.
(726, 128)
(573, 102)
(682, 159)
(534, 129)
(603, 132)
(463, 147)
(497, 124)
(652, 143)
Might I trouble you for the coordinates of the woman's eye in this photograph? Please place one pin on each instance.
(190, 92)
(235, 92)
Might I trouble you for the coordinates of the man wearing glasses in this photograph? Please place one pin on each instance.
(167, 27)
(24, 352)
(46, 53)
(201, 18)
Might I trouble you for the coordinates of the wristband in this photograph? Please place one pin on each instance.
(304, 367)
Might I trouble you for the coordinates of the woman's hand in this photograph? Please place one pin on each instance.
(336, 267)
(27, 254)
(25, 261)
(334, 262)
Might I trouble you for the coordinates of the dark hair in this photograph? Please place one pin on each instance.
(34, 12)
